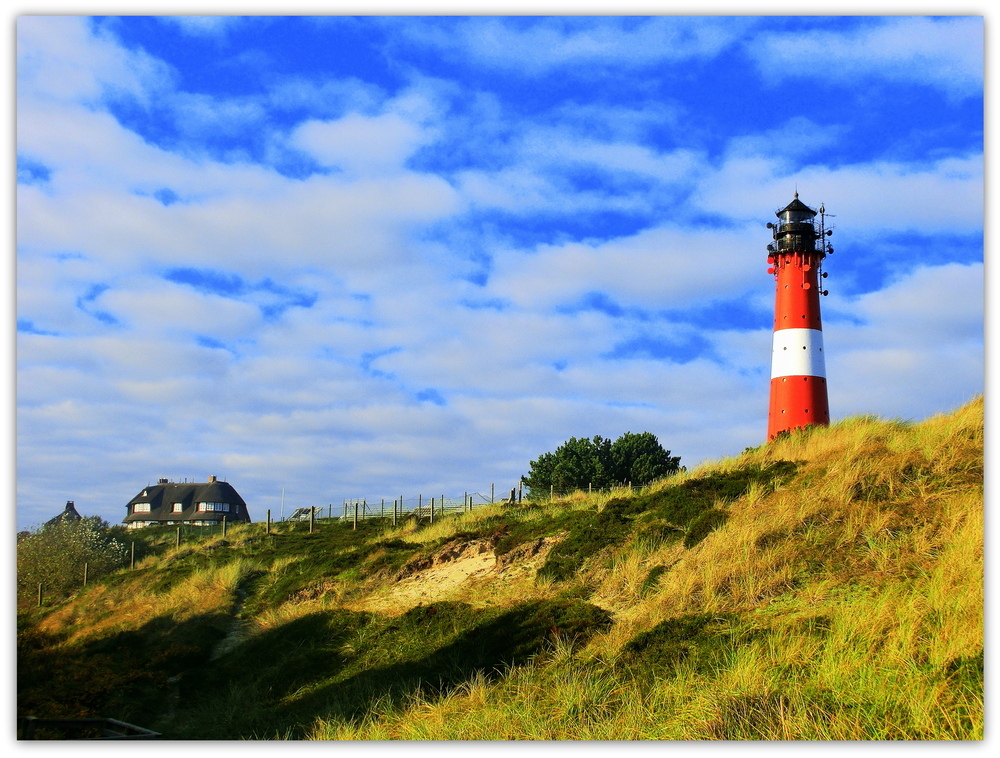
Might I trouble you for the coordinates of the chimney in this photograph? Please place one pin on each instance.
(162, 481)
(211, 480)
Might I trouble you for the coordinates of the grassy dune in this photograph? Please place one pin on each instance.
(825, 586)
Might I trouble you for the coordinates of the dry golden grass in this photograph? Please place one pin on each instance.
(856, 588)
(877, 545)
(103, 609)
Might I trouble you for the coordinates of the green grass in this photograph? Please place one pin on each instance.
(828, 586)
(345, 664)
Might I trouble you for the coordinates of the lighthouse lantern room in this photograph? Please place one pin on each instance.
(798, 367)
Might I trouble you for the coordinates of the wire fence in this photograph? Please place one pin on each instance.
(432, 506)
(358, 510)
(419, 506)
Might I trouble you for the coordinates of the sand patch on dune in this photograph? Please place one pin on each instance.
(456, 570)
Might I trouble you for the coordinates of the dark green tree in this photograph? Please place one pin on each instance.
(581, 462)
(641, 459)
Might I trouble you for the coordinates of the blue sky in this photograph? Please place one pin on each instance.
(365, 257)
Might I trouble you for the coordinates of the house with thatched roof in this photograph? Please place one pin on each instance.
(198, 503)
(68, 515)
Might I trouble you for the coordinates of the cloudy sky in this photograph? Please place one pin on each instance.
(366, 257)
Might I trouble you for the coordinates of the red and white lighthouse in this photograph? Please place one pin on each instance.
(798, 367)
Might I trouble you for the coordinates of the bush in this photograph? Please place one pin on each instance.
(54, 556)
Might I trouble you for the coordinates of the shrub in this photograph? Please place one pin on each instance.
(54, 556)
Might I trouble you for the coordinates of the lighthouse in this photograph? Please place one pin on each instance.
(798, 367)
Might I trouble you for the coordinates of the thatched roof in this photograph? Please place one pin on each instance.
(69, 514)
(162, 496)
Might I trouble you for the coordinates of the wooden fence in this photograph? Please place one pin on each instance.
(357, 510)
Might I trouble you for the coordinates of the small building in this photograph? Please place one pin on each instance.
(68, 515)
(198, 503)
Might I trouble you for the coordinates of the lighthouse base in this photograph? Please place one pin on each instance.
(796, 402)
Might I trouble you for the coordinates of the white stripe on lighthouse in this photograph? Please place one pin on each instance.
(797, 352)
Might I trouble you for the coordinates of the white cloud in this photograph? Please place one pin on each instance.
(539, 177)
(98, 203)
(620, 122)
(203, 26)
(920, 346)
(945, 53)
(360, 145)
(327, 97)
(152, 306)
(58, 57)
(796, 137)
(539, 45)
(940, 196)
(939, 304)
(664, 267)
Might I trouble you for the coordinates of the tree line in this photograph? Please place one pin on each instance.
(579, 463)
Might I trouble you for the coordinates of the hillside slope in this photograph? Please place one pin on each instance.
(825, 586)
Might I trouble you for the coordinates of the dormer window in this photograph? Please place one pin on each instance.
(178, 507)
(140, 508)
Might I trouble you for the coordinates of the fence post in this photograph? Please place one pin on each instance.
(394, 511)
(132, 562)
(590, 488)
(552, 491)
(312, 517)
(224, 520)
(520, 492)
(268, 528)
(420, 507)
(85, 567)
(177, 542)
(381, 510)
(355, 515)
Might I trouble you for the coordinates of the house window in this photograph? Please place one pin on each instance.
(213, 506)
(140, 508)
(178, 507)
